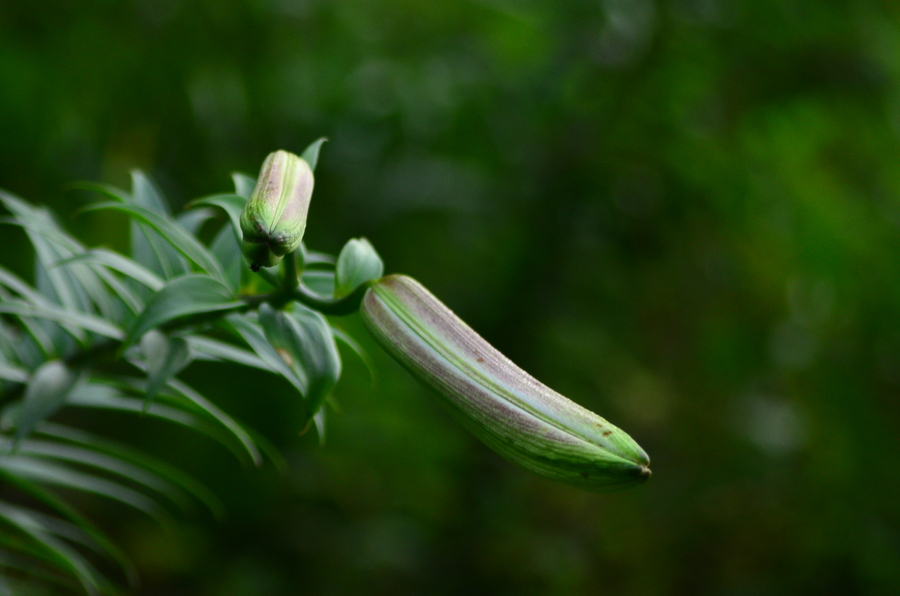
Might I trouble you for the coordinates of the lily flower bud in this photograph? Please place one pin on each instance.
(274, 218)
(513, 413)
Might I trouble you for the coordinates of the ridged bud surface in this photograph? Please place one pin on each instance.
(513, 413)
(274, 219)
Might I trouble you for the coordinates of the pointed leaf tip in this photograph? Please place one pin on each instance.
(311, 153)
(303, 340)
(165, 357)
(185, 295)
(47, 391)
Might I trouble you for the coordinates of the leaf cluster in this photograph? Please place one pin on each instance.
(100, 330)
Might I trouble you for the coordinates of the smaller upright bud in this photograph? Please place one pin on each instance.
(274, 218)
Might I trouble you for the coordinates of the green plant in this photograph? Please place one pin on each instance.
(101, 330)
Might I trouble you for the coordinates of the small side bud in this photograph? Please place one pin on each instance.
(357, 264)
(274, 218)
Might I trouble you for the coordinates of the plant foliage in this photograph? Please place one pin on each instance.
(101, 330)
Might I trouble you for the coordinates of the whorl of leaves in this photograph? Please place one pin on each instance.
(171, 301)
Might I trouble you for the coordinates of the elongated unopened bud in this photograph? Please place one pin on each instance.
(274, 219)
(513, 413)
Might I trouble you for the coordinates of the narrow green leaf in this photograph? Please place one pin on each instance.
(63, 529)
(37, 331)
(27, 569)
(122, 452)
(186, 398)
(191, 221)
(9, 337)
(55, 248)
(103, 263)
(123, 265)
(60, 507)
(149, 247)
(251, 332)
(243, 184)
(124, 293)
(39, 225)
(224, 419)
(351, 343)
(231, 204)
(66, 476)
(311, 153)
(11, 372)
(320, 353)
(165, 357)
(181, 240)
(107, 190)
(185, 295)
(17, 285)
(357, 264)
(60, 553)
(211, 349)
(63, 339)
(303, 339)
(35, 346)
(71, 321)
(35, 448)
(319, 420)
(56, 286)
(152, 250)
(227, 251)
(145, 194)
(320, 282)
(319, 258)
(83, 280)
(46, 393)
(100, 396)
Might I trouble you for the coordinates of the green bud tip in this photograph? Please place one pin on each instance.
(513, 413)
(274, 218)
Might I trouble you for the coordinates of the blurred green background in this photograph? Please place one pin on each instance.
(683, 215)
